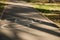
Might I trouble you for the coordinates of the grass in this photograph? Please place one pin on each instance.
(50, 11)
(48, 8)
(1, 7)
(3, 0)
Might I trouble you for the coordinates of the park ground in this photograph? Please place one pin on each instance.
(50, 10)
(22, 22)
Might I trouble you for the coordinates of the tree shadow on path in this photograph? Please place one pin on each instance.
(16, 11)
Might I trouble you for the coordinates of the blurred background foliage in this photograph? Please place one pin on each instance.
(42, 1)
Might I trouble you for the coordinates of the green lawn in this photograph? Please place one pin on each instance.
(50, 11)
(48, 8)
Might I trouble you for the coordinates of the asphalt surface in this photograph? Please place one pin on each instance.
(21, 22)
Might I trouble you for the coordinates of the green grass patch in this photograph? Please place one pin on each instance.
(47, 8)
(3, 0)
(1, 7)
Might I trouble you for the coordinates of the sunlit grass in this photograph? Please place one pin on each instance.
(47, 7)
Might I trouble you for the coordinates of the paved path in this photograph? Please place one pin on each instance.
(25, 23)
